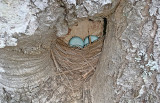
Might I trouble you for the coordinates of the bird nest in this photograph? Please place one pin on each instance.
(80, 63)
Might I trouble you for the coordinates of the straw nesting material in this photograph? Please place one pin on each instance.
(77, 61)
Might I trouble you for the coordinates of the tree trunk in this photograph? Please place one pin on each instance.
(128, 70)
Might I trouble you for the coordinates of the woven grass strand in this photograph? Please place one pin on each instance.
(77, 61)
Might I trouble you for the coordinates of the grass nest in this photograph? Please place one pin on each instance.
(80, 63)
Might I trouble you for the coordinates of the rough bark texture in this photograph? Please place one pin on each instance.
(129, 67)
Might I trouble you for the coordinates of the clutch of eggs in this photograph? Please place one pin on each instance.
(78, 42)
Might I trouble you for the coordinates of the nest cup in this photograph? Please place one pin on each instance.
(81, 63)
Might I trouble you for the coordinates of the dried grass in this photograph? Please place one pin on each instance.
(80, 63)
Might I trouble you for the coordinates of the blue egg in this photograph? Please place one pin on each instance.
(86, 41)
(76, 42)
(93, 38)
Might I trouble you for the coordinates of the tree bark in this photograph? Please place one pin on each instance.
(129, 67)
(126, 72)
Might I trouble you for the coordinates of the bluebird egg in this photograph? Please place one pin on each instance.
(86, 41)
(76, 42)
(93, 38)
